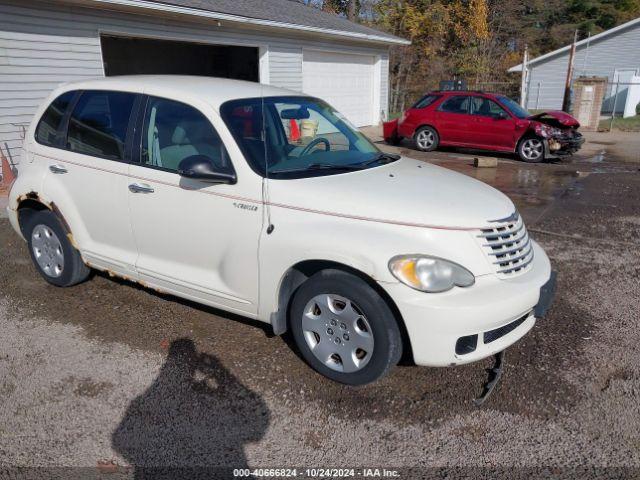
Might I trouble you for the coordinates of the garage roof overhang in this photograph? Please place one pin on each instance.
(147, 6)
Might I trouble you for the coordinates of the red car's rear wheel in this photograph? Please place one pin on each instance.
(426, 139)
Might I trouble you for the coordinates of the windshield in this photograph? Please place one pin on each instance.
(514, 107)
(294, 137)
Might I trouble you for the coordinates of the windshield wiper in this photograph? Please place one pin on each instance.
(348, 167)
(322, 166)
(390, 157)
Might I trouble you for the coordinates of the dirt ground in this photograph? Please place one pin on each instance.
(107, 375)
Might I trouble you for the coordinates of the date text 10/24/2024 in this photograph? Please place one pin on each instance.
(316, 472)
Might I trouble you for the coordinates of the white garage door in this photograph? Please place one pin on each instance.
(344, 81)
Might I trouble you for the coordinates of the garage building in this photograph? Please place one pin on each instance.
(277, 42)
(613, 54)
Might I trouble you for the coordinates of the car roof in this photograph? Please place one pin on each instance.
(214, 91)
(464, 92)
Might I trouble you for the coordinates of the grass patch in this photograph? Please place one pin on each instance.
(629, 124)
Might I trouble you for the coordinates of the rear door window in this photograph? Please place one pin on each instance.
(99, 122)
(456, 104)
(47, 129)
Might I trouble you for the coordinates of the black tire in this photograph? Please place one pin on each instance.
(429, 132)
(74, 270)
(527, 147)
(393, 140)
(387, 341)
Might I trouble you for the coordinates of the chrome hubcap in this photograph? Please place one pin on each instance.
(337, 333)
(425, 139)
(532, 149)
(47, 251)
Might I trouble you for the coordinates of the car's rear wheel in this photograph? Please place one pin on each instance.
(344, 328)
(393, 140)
(54, 257)
(426, 139)
(531, 149)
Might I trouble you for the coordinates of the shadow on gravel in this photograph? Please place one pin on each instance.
(195, 415)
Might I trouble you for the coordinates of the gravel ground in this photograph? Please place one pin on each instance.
(110, 376)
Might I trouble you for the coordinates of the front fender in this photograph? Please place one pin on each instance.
(362, 245)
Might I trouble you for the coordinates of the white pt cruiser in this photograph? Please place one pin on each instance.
(270, 204)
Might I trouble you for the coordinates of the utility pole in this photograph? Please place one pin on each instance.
(567, 86)
(525, 77)
(351, 12)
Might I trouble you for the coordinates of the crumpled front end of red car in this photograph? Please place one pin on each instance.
(559, 130)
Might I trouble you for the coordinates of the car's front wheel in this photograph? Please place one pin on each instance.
(531, 149)
(54, 257)
(344, 328)
(427, 139)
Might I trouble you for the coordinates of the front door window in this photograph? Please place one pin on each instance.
(174, 131)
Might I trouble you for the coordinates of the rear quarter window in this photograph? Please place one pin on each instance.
(426, 101)
(47, 129)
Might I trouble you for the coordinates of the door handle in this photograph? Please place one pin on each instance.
(140, 188)
(57, 169)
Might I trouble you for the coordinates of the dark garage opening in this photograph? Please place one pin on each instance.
(131, 56)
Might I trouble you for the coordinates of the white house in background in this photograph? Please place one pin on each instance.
(279, 42)
(614, 54)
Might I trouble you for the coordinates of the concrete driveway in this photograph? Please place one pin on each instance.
(108, 376)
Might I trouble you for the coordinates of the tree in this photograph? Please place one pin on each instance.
(476, 40)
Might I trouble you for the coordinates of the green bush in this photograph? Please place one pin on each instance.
(638, 109)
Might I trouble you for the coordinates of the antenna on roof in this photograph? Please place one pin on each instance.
(265, 182)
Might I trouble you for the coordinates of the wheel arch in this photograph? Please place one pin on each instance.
(426, 125)
(31, 203)
(299, 273)
(528, 133)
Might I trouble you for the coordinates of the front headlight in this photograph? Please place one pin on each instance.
(429, 274)
(546, 131)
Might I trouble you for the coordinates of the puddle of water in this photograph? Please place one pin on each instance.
(529, 187)
(598, 157)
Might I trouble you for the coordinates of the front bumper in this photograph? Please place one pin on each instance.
(497, 312)
(569, 144)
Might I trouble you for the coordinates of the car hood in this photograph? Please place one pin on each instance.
(405, 192)
(563, 118)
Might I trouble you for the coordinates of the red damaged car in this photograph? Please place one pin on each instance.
(485, 121)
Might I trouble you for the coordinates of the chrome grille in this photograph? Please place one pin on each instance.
(507, 245)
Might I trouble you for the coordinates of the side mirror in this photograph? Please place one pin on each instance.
(501, 116)
(199, 167)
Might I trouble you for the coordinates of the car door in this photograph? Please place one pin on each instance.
(453, 120)
(86, 177)
(195, 239)
(491, 125)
